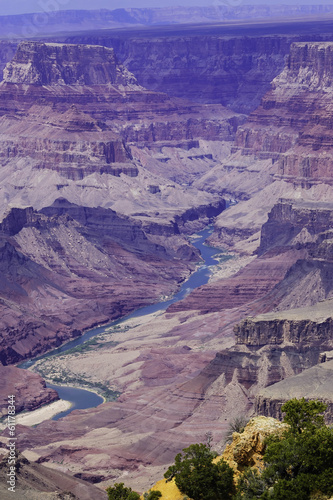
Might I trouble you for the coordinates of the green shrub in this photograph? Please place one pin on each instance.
(120, 492)
(152, 495)
(198, 477)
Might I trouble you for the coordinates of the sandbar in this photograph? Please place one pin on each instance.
(45, 413)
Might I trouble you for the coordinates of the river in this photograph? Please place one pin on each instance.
(83, 399)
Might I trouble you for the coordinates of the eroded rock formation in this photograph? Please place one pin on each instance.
(284, 149)
(28, 389)
(313, 383)
(72, 267)
(75, 111)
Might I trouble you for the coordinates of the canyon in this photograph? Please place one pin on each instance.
(103, 178)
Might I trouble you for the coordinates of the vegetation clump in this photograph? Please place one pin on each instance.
(238, 424)
(197, 476)
(121, 492)
(152, 495)
(298, 466)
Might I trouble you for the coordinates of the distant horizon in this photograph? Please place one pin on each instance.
(34, 6)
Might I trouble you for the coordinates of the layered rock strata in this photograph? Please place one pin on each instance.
(231, 64)
(284, 150)
(73, 110)
(275, 346)
(296, 222)
(313, 383)
(293, 125)
(72, 267)
(293, 269)
(175, 385)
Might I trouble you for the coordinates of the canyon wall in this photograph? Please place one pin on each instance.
(297, 270)
(294, 221)
(41, 64)
(293, 125)
(180, 373)
(233, 66)
(281, 331)
(234, 72)
(313, 383)
(71, 113)
(283, 150)
(68, 268)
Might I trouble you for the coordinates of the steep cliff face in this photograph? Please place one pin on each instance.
(295, 117)
(284, 150)
(313, 383)
(234, 72)
(293, 222)
(7, 52)
(280, 331)
(228, 64)
(59, 64)
(294, 269)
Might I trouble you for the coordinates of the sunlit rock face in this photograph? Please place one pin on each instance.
(59, 64)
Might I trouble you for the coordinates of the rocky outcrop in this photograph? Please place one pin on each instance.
(294, 269)
(294, 119)
(7, 52)
(58, 64)
(15, 220)
(292, 222)
(260, 332)
(284, 150)
(28, 388)
(246, 450)
(248, 447)
(314, 383)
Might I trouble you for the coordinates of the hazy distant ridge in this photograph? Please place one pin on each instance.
(27, 25)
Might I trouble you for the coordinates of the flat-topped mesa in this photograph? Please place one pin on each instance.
(40, 63)
(309, 66)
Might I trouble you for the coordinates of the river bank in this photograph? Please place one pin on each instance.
(35, 417)
(99, 338)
